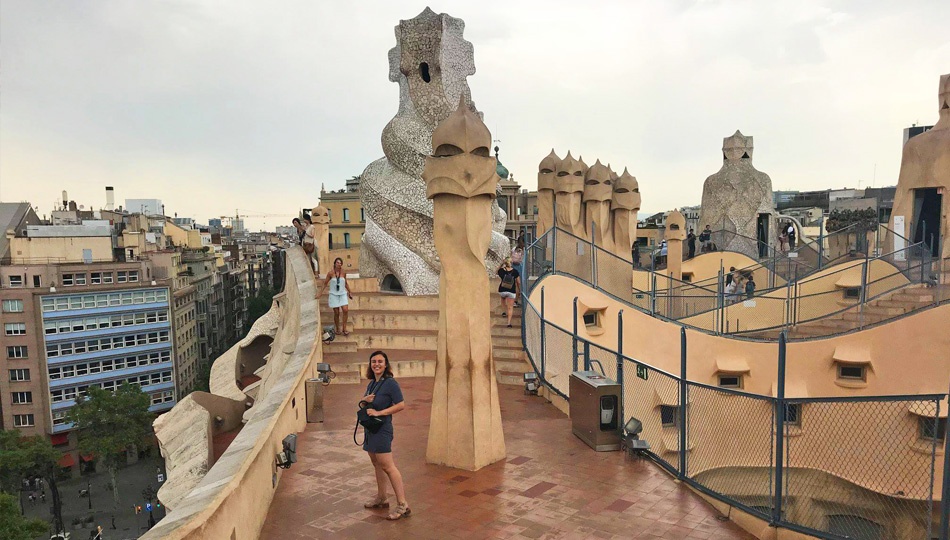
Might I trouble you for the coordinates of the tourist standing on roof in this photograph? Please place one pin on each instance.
(384, 399)
(339, 295)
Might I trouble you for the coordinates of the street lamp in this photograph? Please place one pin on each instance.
(89, 492)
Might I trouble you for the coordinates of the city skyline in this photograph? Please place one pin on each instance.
(189, 104)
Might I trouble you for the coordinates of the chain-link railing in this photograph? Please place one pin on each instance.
(730, 443)
(877, 478)
(839, 467)
(851, 296)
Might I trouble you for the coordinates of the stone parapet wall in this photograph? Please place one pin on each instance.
(232, 499)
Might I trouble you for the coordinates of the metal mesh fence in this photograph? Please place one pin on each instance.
(558, 358)
(652, 397)
(602, 361)
(532, 335)
(573, 256)
(878, 474)
(614, 274)
(730, 444)
(538, 259)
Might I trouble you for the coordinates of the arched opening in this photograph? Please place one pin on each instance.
(251, 358)
(424, 72)
(391, 284)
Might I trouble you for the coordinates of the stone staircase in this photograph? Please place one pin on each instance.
(900, 302)
(406, 327)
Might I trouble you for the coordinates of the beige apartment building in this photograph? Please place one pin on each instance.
(168, 265)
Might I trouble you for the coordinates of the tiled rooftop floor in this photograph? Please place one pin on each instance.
(551, 486)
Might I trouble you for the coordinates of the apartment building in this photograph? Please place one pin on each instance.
(73, 316)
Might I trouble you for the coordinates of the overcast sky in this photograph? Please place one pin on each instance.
(219, 105)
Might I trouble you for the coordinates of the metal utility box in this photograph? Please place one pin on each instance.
(314, 392)
(595, 410)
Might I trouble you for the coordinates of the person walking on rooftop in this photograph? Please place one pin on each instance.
(384, 399)
(339, 295)
(791, 235)
(705, 238)
(750, 287)
(691, 243)
(509, 288)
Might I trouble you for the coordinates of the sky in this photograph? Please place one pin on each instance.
(215, 106)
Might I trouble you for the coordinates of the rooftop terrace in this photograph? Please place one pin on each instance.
(551, 485)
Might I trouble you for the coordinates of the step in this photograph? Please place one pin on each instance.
(504, 332)
(923, 297)
(505, 342)
(510, 380)
(417, 320)
(511, 366)
(887, 307)
(507, 354)
(340, 346)
(868, 318)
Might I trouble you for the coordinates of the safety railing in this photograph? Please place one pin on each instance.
(849, 294)
(831, 467)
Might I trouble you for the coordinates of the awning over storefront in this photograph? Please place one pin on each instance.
(67, 461)
(59, 439)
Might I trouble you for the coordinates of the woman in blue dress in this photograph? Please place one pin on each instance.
(385, 399)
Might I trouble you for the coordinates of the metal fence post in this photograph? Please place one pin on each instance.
(593, 257)
(945, 498)
(821, 240)
(779, 432)
(864, 292)
(653, 293)
(620, 364)
(543, 342)
(683, 404)
(574, 337)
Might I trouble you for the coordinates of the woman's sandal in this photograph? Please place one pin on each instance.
(401, 511)
(377, 503)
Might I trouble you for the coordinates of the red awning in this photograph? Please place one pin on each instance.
(60, 438)
(67, 461)
(87, 457)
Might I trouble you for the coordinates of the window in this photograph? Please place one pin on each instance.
(13, 306)
(793, 414)
(16, 351)
(362, 214)
(14, 329)
(19, 375)
(852, 372)
(852, 293)
(16, 281)
(932, 428)
(23, 420)
(346, 240)
(669, 415)
(37, 281)
(346, 215)
(730, 381)
(22, 398)
(854, 527)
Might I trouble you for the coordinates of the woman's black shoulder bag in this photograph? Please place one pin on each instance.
(370, 423)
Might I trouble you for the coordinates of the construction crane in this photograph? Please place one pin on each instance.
(238, 215)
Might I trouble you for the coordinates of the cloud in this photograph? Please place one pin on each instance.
(214, 105)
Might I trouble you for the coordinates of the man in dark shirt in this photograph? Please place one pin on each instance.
(691, 242)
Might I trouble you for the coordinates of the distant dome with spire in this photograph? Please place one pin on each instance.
(500, 168)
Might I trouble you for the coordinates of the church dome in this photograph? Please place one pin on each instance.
(501, 169)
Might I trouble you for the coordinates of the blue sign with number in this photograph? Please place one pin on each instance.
(148, 507)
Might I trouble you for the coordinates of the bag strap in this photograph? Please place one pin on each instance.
(355, 429)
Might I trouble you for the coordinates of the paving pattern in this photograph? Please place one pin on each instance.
(551, 485)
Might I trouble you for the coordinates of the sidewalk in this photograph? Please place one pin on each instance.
(551, 485)
(132, 480)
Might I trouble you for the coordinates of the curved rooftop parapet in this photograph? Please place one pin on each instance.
(231, 500)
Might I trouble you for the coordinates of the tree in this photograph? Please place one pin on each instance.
(110, 424)
(14, 526)
(13, 461)
(259, 305)
(25, 457)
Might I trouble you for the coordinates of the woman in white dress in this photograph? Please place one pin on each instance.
(339, 294)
